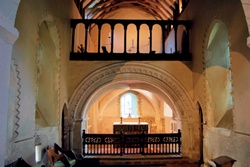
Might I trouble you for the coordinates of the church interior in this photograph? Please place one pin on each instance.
(75, 69)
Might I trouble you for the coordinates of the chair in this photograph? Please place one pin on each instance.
(69, 153)
(59, 160)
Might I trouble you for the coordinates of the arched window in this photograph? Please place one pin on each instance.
(129, 105)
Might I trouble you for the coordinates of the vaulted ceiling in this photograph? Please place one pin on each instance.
(98, 9)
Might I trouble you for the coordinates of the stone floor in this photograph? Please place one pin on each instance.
(137, 161)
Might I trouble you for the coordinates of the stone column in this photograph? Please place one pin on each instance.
(76, 138)
(179, 123)
(190, 145)
(85, 124)
(186, 137)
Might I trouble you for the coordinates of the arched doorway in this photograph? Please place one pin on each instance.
(201, 133)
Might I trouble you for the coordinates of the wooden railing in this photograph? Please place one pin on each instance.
(120, 144)
(101, 53)
(80, 50)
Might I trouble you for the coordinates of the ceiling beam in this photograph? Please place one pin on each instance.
(104, 13)
(158, 12)
(161, 8)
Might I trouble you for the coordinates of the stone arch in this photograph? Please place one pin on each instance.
(53, 30)
(104, 75)
(156, 79)
(209, 56)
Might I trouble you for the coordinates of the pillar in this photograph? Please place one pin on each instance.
(76, 137)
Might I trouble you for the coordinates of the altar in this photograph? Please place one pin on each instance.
(130, 127)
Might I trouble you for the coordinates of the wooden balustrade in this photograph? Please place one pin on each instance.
(121, 144)
(178, 52)
(80, 51)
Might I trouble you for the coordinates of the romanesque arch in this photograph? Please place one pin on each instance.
(157, 80)
(47, 20)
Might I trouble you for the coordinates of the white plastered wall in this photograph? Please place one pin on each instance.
(30, 16)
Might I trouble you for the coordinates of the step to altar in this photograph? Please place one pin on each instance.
(138, 161)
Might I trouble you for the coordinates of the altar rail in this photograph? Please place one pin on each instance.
(121, 144)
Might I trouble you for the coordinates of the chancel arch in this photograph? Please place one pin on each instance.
(137, 75)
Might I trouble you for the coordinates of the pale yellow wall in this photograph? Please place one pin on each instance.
(219, 141)
(79, 70)
(233, 143)
(100, 120)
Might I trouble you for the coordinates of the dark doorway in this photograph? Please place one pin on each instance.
(201, 134)
(64, 132)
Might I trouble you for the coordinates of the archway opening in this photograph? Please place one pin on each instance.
(139, 78)
(134, 106)
(47, 95)
(218, 75)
